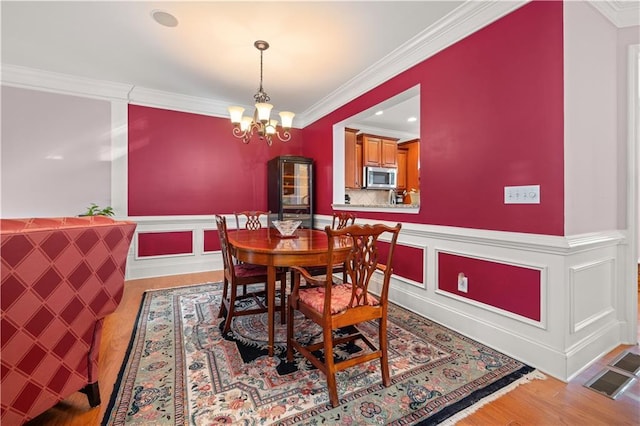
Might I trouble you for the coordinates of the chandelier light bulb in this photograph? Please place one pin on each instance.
(264, 111)
(235, 112)
(271, 127)
(287, 119)
(245, 124)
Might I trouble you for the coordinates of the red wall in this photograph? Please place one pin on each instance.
(491, 116)
(190, 164)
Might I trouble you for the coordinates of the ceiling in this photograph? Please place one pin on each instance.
(393, 117)
(317, 49)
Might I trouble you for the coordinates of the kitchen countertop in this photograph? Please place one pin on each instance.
(386, 207)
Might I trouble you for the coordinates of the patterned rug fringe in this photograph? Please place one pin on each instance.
(534, 375)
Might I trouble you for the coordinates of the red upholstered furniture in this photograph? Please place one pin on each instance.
(60, 278)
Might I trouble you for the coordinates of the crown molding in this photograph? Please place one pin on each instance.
(621, 13)
(31, 78)
(174, 101)
(470, 17)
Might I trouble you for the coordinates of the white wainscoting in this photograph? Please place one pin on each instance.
(157, 266)
(583, 311)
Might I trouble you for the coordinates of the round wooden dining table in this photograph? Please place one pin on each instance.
(307, 247)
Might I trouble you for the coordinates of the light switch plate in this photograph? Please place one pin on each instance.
(528, 194)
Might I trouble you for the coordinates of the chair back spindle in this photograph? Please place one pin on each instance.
(363, 260)
(251, 218)
(342, 219)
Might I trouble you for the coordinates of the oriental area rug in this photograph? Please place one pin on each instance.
(180, 370)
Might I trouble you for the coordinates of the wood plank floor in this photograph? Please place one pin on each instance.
(541, 402)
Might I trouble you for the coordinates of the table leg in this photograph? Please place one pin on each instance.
(271, 311)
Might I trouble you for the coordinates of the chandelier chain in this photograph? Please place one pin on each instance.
(261, 96)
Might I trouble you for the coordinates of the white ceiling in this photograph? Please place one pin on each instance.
(391, 117)
(317, 48)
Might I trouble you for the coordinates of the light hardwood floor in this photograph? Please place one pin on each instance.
(541, 402)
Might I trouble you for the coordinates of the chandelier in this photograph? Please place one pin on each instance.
(244, 127)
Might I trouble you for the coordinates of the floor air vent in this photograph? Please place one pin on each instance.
(627, 361)
(618, 375)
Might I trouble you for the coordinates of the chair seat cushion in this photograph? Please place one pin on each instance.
(244, 270)
(340, 298)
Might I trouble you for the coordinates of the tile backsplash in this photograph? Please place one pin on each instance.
(368, 197)
(375, 197)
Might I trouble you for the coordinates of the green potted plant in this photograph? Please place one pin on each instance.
(95, 210)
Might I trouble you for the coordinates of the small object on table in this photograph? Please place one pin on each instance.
(287, 228)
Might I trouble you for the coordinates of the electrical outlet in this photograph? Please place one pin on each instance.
(463, 283)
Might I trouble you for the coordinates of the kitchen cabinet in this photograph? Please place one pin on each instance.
(352, 160)
(413, 164)
(402, 169)
(389, 151)
(359, 167)
(290, 189)
(378, 151)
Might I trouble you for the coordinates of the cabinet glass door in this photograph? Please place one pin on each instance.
(295, 187)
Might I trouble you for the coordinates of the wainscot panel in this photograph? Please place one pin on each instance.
(576, 281)
(196, 260)
(164, 243)
(513, 288)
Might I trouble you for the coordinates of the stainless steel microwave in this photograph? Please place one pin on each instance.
(380, 178)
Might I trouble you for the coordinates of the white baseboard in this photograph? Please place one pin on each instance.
(172, 265)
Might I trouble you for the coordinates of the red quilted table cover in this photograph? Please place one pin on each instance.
(60, 277)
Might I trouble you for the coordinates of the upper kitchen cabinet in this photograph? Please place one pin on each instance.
(378, 151)
(413, 164)
(352, 160)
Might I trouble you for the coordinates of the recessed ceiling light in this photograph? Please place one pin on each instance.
(164, 18)
(380, 112)
(412, 119)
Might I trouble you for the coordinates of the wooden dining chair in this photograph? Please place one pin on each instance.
(252, 218)
(339, 221)
(342, 219)
(242, 274)
(335, 306)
